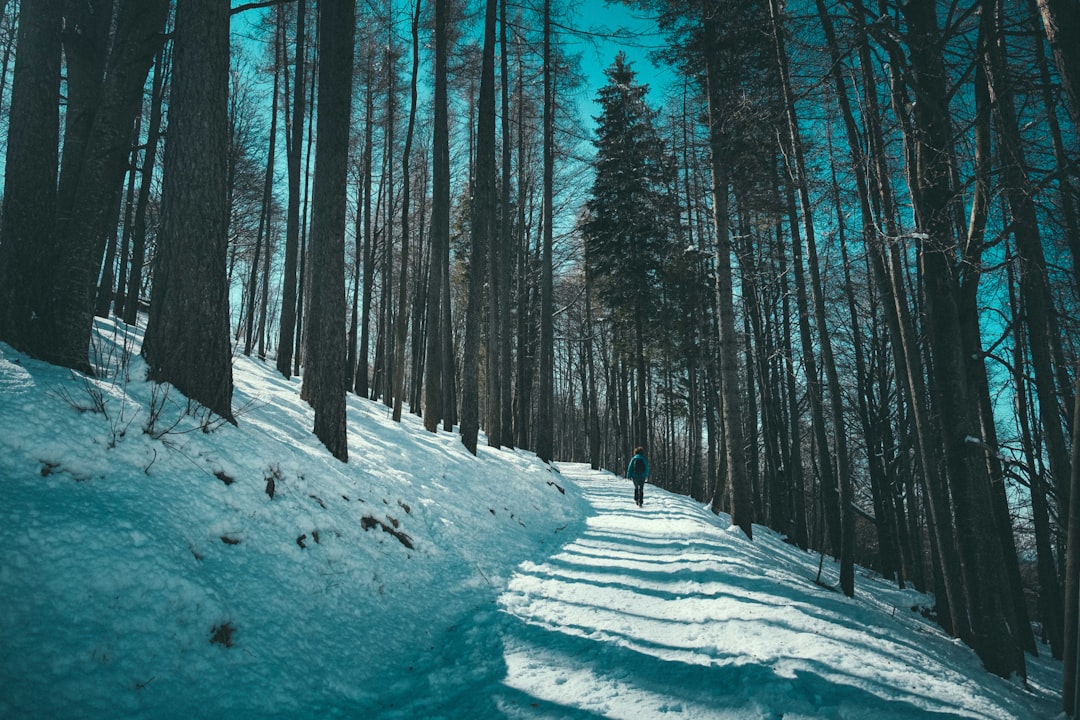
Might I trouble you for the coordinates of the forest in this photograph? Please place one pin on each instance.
(828, 276)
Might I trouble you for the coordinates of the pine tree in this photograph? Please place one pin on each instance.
(628, 217)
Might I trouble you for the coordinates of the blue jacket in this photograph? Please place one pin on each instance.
(637, 477)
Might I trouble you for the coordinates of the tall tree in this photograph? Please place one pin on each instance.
(718, 91)
(27, 254)
(1071, 689)
(1019, 192)
(187, 333)
(495, 253)
(545, 389)
(110, 92)
(134, 294)
(366, 255)
(627, 221)
(505, 246)
(262, 236)
(840, 492)
(933, 198)
(1061, 21)
(294, 141)
(325, 379)
(483, 234)
(434, 363)
(107, 67)
(403, 282)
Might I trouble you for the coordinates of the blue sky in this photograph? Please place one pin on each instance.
(600, 16)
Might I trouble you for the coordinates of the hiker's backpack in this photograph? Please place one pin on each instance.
(637, 467)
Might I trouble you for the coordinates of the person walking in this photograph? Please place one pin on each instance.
(638, 471)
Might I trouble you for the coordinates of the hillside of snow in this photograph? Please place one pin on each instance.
(158, 563)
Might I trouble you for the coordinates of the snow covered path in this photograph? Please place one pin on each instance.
(668, 611)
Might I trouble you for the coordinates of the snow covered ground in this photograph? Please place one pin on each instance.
(157, 564)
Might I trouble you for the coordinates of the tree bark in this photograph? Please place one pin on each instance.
(134, 296)
(263, 234)
(505, 243)
(96, 177)
(294, 130)
(482, 226)
(324, 376)
(1070, 696)
(845, 533)
(1061, 21)
(742, 508)
(545, 389)
(187, 333)
(27, 249)
(403, 279)
(932, 197)
(434, 382)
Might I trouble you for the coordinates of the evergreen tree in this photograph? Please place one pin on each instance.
(628, 216)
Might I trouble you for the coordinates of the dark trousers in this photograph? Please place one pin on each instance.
(639, 492)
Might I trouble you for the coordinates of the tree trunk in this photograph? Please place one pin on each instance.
(403, 281)
(845, 514)
(482, 225)
(1070, 696)
(27, 248)
(138, 246)
(495, 250)
(117, 300)
(384, 353)
(440, 231)
(294, 143)
(545, 390)
(91, 180)
(505, 242)
(989, 89)
(1034, 283)
(263, 234)
(932, 195)
(324, 377)
(742, 509)
(187, 334)
(907, 356)
(1061, 21)
(1050, 606)
(368, 254)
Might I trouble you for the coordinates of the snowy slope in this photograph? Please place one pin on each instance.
(152, 574)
